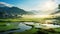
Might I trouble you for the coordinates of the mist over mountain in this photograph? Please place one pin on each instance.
(57, 11)
(36, 12)
(3, 4)
(6, 10)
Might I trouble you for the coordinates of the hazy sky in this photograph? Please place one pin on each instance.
(32, 4)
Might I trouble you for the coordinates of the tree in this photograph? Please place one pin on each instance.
(59, 6)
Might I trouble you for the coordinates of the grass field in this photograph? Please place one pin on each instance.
(31, 31)
(25, 19)
(40, 31)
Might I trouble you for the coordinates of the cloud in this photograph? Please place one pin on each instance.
(6, 4)
(42, 7)
(46, 6)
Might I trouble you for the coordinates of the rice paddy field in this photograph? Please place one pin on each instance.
(10, 26)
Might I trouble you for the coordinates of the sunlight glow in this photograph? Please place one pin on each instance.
(39, 16)
(49, 5)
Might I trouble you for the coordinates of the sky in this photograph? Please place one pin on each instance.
(30, 4)
(47, 6)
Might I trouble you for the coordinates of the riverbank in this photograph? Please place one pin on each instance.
(22, 28)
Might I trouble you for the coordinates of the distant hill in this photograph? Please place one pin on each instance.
(58, 10)
(6, 11)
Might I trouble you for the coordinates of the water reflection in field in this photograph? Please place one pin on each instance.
(24, 26)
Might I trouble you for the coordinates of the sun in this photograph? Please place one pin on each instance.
(49, 5)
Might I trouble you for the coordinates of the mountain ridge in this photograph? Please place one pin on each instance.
(10, 11)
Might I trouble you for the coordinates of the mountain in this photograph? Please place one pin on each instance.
(9, 11)
(2, 4)
(58, 10)
(33, 12)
